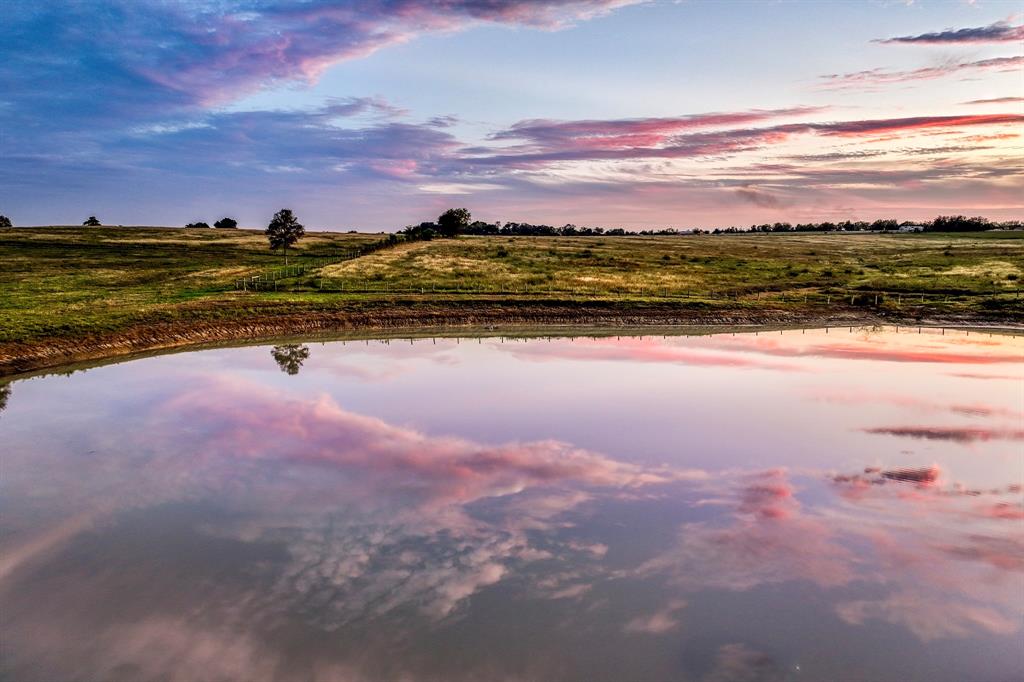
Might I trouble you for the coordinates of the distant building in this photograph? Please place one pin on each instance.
(911, 228)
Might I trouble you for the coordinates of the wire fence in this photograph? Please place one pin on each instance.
(268, 280)
(818, 296)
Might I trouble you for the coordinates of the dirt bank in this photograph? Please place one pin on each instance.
(21, 357)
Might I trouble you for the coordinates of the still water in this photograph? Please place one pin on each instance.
(818, 505)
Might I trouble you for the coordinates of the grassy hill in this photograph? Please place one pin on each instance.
(62, 283)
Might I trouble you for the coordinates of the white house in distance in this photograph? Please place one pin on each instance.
(911, 228)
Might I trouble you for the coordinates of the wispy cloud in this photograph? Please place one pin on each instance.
(873, 78)
(193, 53)
(999, 32)
(996, 100)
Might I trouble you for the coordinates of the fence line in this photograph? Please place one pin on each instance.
(853, 297)
(268, 279)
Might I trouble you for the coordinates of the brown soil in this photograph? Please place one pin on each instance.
(21, 357)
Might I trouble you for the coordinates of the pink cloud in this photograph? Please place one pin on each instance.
(546, 142)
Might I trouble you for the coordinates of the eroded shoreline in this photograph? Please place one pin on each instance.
(18, 358)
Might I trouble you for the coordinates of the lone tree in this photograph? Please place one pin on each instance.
(453, 221)
(92, 221)
(5, 221)
(226, 224)
(283, 231)
(290, 357)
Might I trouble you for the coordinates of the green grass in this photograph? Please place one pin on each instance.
(733, 264)
(66, 281)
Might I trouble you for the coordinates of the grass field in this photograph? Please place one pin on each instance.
(723, 264)
(68, 281)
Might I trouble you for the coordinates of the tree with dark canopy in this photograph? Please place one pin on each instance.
(200, 224)
(5, 221)
(453, 221)
(226, 224)
(289, 357)
(283, 231)
(92, 221)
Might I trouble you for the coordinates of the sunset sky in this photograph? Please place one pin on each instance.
(375, 114)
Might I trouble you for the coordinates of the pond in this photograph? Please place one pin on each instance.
(801, 505)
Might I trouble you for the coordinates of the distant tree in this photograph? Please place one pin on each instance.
(226, 224)
(92, 221)
(5, 221)
(200, 224)
(290, 357)
(283, 231)
(959, 223)
(423, 231)
(453, 221)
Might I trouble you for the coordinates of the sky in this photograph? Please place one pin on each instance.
(375, 114)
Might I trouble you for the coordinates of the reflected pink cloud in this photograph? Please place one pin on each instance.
(239, 422)
(658, 623)
(1005, 553)
(928, 617)
(770, 498)
(967, 434)
(892, 349)
(739, 663)
(772, 538)
(769, 540)
(914, 402)
(643, 349)
(1003, 510)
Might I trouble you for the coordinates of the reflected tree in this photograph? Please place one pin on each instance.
(5, 394)
(289, 357)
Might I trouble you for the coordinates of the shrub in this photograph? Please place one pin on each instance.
(226, 224)
(5, 221)
(200, 224)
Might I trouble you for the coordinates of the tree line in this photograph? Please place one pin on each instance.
(458, 221)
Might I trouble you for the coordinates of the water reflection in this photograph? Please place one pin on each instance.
(5, 395)
(289, 357)
(198, 519)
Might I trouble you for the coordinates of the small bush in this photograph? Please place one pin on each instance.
(1012, 277)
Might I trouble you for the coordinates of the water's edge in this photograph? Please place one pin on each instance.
(57, 356)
